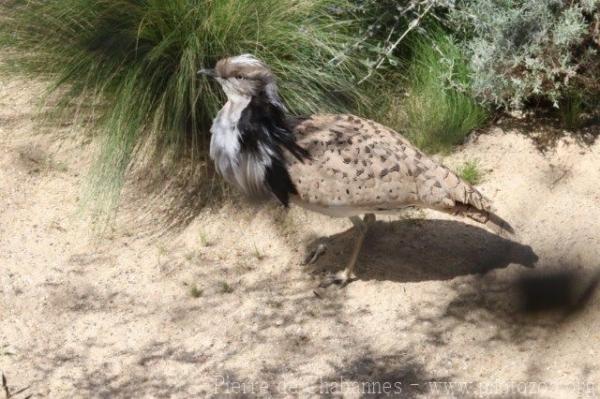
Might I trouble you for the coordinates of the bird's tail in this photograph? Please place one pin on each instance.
(484, 216)
(443, 190)
(469, 202)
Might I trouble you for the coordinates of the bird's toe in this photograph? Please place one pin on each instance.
(341, 279)
(315, 254)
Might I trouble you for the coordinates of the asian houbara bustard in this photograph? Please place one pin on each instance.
(338, 165)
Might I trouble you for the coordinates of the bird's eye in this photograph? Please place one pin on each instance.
(240, 77)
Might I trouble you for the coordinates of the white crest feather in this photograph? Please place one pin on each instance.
(247, 59)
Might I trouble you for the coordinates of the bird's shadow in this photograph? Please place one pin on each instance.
(421, 250)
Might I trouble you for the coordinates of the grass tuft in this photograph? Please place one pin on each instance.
(257, 253)
(439, 111)
(225, 288)
(571, 110)
(204, 239)
(470, 172)
(133, 63)
(196, 292)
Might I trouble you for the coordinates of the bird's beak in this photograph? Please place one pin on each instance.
(207, 72)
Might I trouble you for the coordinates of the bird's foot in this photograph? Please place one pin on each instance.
(341, 279)
(315, 254)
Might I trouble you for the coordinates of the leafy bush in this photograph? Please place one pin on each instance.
(432, 103)
(135, 62)
(386, 27)
(523, 50)
(439, 113)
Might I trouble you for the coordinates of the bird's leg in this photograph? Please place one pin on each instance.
(361, 230)
(347, 275)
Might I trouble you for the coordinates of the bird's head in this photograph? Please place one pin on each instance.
(245, 76)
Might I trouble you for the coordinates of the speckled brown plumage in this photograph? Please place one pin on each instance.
(360, 166)
(338, 165)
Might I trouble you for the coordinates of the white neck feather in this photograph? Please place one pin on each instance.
(239, 168)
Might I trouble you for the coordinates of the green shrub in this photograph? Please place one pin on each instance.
(432, 103)
(135, 63)
(570, 110)
(387, 27)
(440, 113)
(530, 50)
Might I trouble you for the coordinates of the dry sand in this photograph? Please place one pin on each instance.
(224, 307)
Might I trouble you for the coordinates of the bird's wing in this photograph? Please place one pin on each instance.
(361, 164)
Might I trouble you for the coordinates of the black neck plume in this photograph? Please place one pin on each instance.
(266, 131)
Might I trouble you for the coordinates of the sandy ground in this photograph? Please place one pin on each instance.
(224, 307)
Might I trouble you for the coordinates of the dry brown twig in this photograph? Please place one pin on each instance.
(5, 387)
(7, 393)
